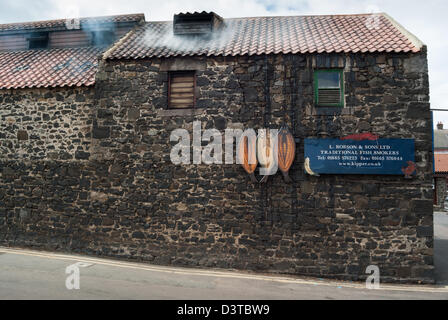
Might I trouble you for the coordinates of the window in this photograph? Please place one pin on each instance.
(38, 40)
(181, 90)
(329, 88)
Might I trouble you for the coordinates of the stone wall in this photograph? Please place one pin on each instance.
(128, 200)
(441, 191)
(43, 124)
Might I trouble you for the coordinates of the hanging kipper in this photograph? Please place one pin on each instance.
(286, 151)
(247, 154)
(286, 141)
(265, 152)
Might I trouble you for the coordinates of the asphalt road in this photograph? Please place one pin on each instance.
(40, 275)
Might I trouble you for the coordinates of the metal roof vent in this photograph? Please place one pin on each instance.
(197, 23)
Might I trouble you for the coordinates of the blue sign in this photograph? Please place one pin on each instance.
(382, 156)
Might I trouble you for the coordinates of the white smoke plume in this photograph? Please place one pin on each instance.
(164, 38)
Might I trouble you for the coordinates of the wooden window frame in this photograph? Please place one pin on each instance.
(341, 87)
(174, 73)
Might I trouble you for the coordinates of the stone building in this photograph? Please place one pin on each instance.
(440, 179)
(85, 157)
(440, 165)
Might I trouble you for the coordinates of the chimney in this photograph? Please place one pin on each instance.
(197, 23)
(440, 126)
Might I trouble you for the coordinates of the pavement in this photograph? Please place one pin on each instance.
(26, 274)
(441, 247)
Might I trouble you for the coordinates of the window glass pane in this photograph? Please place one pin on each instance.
(328, 79)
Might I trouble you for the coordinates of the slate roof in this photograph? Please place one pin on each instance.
(440, 139)
(48, 68)
(266, 35)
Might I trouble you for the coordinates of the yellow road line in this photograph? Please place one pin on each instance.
(211, 273)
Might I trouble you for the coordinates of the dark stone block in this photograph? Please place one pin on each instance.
(425, 231)
(101, 132)
(81, 155)
(251, 94)
(80, 98)
(220, 123)
(22, 135)
(202, 81)
(138, 235)
(133, 114)
(418, 111)
(422, 207)
(104, 113)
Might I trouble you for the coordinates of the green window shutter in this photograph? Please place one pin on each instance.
(329, 88)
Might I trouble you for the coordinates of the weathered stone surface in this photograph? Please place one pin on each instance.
(107, 183)
(54, 123)
(441, 191)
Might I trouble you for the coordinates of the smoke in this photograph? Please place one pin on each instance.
(160, 35)
(102, 33)
(239, 34)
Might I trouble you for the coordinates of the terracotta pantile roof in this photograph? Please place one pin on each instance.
(441, 163)
(265, 35)
(48, 68)
(61, 23)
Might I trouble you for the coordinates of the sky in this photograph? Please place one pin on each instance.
(425, 19)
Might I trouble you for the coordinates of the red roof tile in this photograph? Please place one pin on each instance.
(441, 163)
(265, 35)
(53, 67)
(61, 23)
(48, 68)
